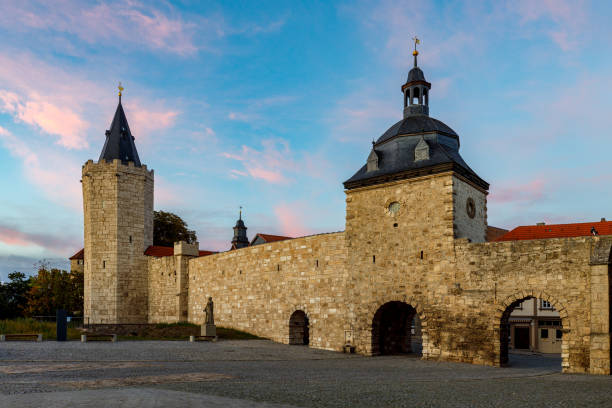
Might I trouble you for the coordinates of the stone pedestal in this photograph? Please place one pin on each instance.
(209, 330)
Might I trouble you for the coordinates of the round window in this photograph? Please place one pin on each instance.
(394, 208)
(470, 207)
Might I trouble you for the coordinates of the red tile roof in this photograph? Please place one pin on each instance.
(78, 255)
(557, 231)
(269, 238)
(159, 251)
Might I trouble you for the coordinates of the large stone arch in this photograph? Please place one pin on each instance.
(372, 308)
(505, 308)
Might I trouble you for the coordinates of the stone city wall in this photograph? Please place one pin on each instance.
(257, 288)
(163, 295)
(490, 277)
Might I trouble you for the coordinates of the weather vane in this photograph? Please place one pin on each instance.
(120, 88)
(240, 212)
(416, 41)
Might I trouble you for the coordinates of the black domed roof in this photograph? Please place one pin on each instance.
(417, 124)
(415, 74)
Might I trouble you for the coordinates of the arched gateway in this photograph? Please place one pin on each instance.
(392, 328)
(299, 329)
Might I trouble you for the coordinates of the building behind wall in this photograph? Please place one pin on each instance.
(535, 325)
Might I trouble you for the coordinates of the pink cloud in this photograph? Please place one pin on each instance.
(290, 218)
(269, 164)
(48, 117)
(57, 175)
(569, 16)
(267, 175)
(528, 192)
(145, 121)
(130, 22)
(57, 244)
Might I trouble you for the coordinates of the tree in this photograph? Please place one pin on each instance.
(169, 228)
(55, 289)
(13, 298)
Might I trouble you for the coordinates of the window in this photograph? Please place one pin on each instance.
(559, 334)
(103, 264)
(543, 333)
(394, 208)
(545, 304)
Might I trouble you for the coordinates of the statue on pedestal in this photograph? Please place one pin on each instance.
(208, 328)
(209, 311)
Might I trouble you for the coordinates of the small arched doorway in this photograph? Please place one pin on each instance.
(396, 329)
(531, 326)
(299, 328)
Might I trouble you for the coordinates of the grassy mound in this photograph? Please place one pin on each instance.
(26, 325)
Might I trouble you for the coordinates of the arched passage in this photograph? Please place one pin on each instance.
(534, 323)
(299, 328)
(393, 327)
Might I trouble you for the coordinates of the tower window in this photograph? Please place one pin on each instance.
(103, 264)
(278, 267)
(421, 254)
(317, 263)
(130, 239)
(373, 259)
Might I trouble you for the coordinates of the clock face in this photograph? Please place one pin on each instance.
(394, 208)
(470, 207)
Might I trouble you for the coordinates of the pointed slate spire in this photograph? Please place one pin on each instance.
(119, 142)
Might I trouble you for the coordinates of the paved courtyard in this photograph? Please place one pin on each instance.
(259, 373)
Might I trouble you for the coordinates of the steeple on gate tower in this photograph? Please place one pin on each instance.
(118, 226)
(416, 89)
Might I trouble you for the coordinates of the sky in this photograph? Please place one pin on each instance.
(272, 105)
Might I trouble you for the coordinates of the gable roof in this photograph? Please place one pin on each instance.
(269, 238)
(583, 229)
(79, 255)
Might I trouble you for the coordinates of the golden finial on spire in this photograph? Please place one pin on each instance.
(120, 88)
(416, 41)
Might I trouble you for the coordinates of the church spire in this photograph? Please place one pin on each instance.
(119, 143)
(416, 89)
(240, 239)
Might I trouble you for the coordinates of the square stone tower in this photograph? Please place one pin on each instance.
(118, 217)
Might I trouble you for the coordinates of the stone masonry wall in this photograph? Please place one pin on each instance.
(163, 295)
(258, 288)
(413, 249)
(118, 224)
(475, 228)
(492, 276)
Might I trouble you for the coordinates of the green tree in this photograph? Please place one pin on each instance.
(55, 289)
(169, 228)
(13, 296)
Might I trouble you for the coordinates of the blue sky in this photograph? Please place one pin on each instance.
(271, 105)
